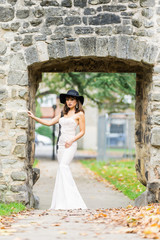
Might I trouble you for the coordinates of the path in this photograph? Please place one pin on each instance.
(44, 224)
(94, 193)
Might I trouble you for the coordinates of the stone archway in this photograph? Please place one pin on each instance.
(59, 36)
(100, 64)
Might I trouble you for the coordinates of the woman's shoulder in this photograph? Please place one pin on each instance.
(80, 114)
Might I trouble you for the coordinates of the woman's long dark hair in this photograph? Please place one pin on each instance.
(78, 107)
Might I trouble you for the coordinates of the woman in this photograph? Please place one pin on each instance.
(66, 194)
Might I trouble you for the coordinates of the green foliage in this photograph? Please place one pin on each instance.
(35, 162)
(121, 174)
(38, 109)
(107, 90)
(45, 131)
(8, 209)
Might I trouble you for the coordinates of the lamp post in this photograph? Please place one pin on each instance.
(53, 134)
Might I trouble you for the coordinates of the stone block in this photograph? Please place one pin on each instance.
(3, 93)
(56, 49)
(22, 93)
(18, 78)
(89, 11)
(17, 59)
(18, 187)
(80, 3)
(122, 47)
(83, 30)
(63, 32)
(27, 41)
(155, 139)
(114, 8)
(142, 200)
(88, 46)
(3, 47)
(5, 147)
(21, 139)
(73, 49)
(136, 49)
(42, 51)
(22, 119)
(95, 2)
(73, 20)
(20, 151)
(22, 14)
(18, 104)
(102, 47)
(19, 176)
(49, 3)
(104, 18)
(148, 12)
(15, 26)
(8, 115)
(54, 21)
(6, 14)
(3, 187)
(112, 46)
(35, 22)
(38, 12)
(147, 3)
(104, 31)
(31, 55)
(66, 3)
(55, 12)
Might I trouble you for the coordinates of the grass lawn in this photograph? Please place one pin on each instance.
(121, 174)
(10, 208)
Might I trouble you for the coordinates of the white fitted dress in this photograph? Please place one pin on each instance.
(65, 193)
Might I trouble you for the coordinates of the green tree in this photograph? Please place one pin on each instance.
(107, 90)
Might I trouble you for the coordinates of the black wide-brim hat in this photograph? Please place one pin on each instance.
(72, 93)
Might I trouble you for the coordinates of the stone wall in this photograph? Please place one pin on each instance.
(74, 35)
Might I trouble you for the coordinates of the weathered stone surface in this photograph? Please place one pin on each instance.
(17, 59)
(49, 3)
(8, 115)
(5, 147)
(114, 8)
(3, 94)
(104, 18)
(83, 30)
(27, 41)
(66, 3)
(22, 14)
(155, 140)
(89, 11)
(20, 151)
(17, 78)
(80, 3)
(31, 55)
(21, 139)
(3, 187)
(15, 26)
(6, 14)
(19, 176)
(54, 21)
(104, 31)
(147, 3)
(95, 2)
(147, 12)
(56, 49)
(22, 119)
(73, 49)
(3, 47)
(18, 187)
(69, 21)
(38, 12)
(36, 22)
(102, 47)
(88, 46)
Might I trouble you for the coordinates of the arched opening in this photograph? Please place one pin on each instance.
(107, 65)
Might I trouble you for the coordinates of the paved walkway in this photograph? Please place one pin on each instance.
(44, 224)
(94, 193)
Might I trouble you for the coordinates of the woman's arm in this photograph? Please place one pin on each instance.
(43, 121)
(81, 128)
